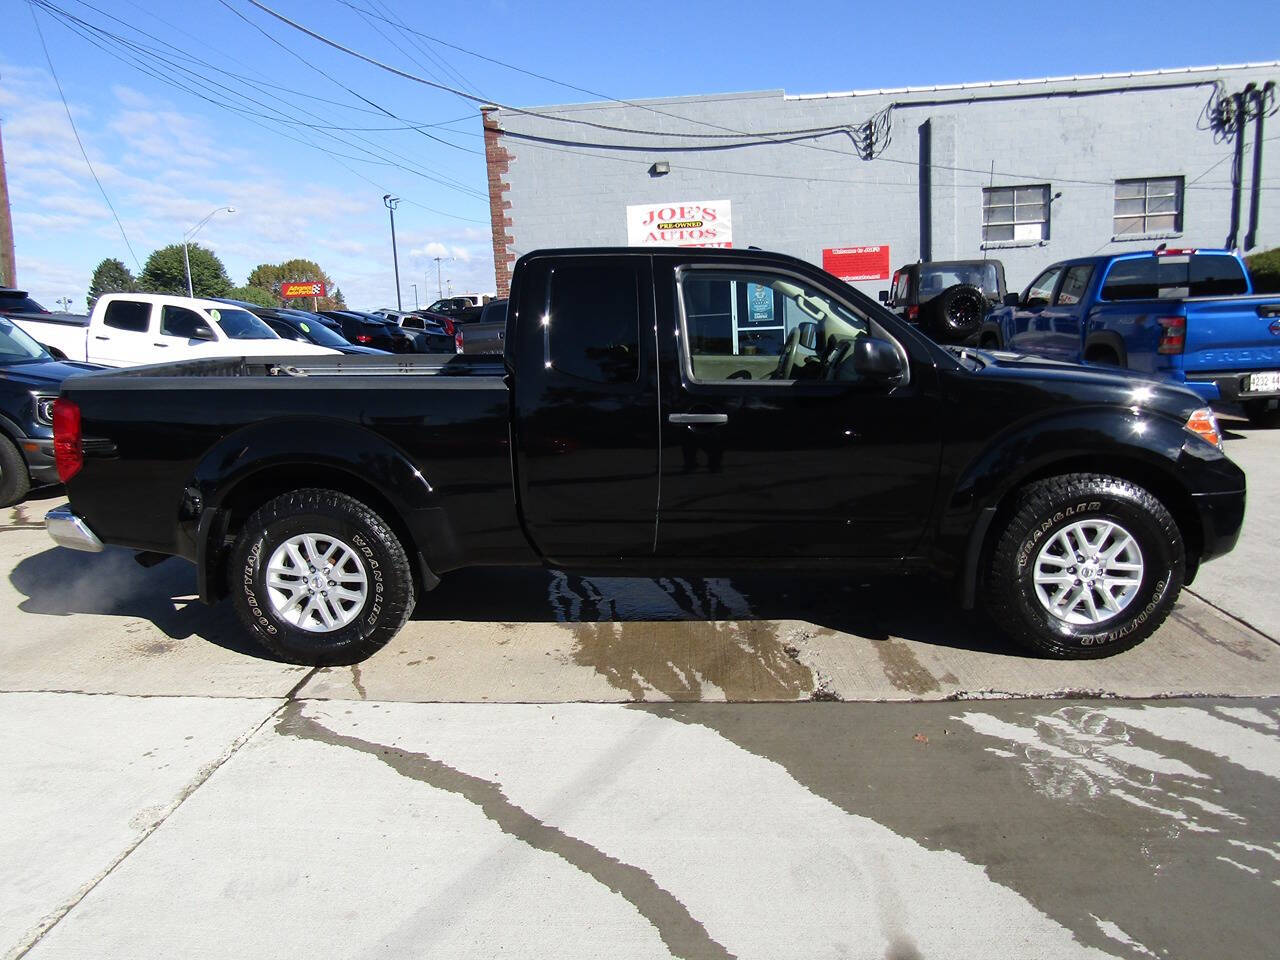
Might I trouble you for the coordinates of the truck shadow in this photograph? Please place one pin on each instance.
(63, 583)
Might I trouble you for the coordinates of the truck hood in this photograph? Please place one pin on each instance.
(1111, 384)
(44, 374)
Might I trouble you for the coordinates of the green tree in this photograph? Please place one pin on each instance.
(251, 294)
(163, 272)
(110, 276)
(1264, 271)
(269, 276)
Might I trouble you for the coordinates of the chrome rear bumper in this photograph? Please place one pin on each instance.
(68, 530)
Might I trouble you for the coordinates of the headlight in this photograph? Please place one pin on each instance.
(1205, 426)
(44, 410)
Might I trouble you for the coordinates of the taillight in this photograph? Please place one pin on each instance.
(913, 313)
(363, 338)
(448, 325)
(457, 340)
(68, 450)
(1173, 334)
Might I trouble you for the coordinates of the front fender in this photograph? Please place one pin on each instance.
(1127, 442)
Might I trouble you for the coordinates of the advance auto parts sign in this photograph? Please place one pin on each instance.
(694, 223)
(308, 289)
(857, 263)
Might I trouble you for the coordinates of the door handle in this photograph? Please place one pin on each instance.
(165, 345)
(98, 337)
(698, 418)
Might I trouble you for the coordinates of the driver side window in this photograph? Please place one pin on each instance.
(1041, 290)
(761, 326)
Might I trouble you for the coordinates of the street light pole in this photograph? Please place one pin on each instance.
(415, 295)
(188, 236)
(391, 203)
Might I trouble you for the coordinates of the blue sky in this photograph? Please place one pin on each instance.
(167, 157)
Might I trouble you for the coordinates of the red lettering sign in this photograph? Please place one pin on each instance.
(857, 263)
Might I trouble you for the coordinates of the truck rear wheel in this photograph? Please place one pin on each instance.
(1088, 566)
(320, 579)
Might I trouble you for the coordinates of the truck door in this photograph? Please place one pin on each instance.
(1031, 333)
(123, 336)
(585, 399)
(765, 453)
(1063, 319)
(181, 334)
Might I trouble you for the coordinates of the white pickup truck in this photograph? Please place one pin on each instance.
(127, 329)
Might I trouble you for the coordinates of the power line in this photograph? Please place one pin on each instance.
(84, 153)
(80, 26)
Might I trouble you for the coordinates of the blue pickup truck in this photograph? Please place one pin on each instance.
(1189, 315)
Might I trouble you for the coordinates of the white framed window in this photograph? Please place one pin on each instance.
(1015, 214)
(1148, 205)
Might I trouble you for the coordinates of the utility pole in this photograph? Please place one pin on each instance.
(391, 203)
(415, 295)
(439, 285)
(8, 267)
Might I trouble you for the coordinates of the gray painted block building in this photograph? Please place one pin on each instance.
(1027, 171)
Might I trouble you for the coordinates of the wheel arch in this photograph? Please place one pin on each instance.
(1149, 474)
(228, 486)
(1107, 340)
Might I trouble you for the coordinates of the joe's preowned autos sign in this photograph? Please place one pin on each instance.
(691, 223)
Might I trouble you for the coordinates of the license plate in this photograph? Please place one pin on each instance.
(1264, 383)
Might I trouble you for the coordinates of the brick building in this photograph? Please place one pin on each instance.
(1029, 171)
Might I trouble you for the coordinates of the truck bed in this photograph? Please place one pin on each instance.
(432, 429)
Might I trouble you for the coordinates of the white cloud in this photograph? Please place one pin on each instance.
(165, 168)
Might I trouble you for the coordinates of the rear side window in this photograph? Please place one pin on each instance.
(1171, 277)
(184, 323)
(593, 324)
(128, 315)
(1074, 284)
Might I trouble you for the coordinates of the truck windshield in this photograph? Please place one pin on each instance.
(17, 346)
(933, 280)
(242, 325)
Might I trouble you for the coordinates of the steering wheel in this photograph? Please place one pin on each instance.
(787, 361)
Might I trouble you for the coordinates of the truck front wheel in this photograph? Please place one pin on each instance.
(1088, 565)
(320, 579)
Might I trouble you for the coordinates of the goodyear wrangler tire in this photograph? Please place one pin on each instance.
(320, 579)
(1087, 566)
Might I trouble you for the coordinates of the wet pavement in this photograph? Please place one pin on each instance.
(550, 765)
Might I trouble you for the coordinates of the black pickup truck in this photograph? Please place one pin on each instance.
(655, 412)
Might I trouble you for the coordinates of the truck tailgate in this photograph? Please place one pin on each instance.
(1234, 333)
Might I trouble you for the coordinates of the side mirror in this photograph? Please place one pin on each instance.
(1012, 299)
(875, 359)
(883, 296)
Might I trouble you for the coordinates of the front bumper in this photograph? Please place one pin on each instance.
(40, 461)
(67, 529)
(1221, 516)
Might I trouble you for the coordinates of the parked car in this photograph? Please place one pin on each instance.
(371, 330)
(1187, 315)
(304, 327)
(436, 339)
(18, 305)
(624, 430)
(29, 384)
(134, 328)
(948, 298)
(16, 302)
(485, 335)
